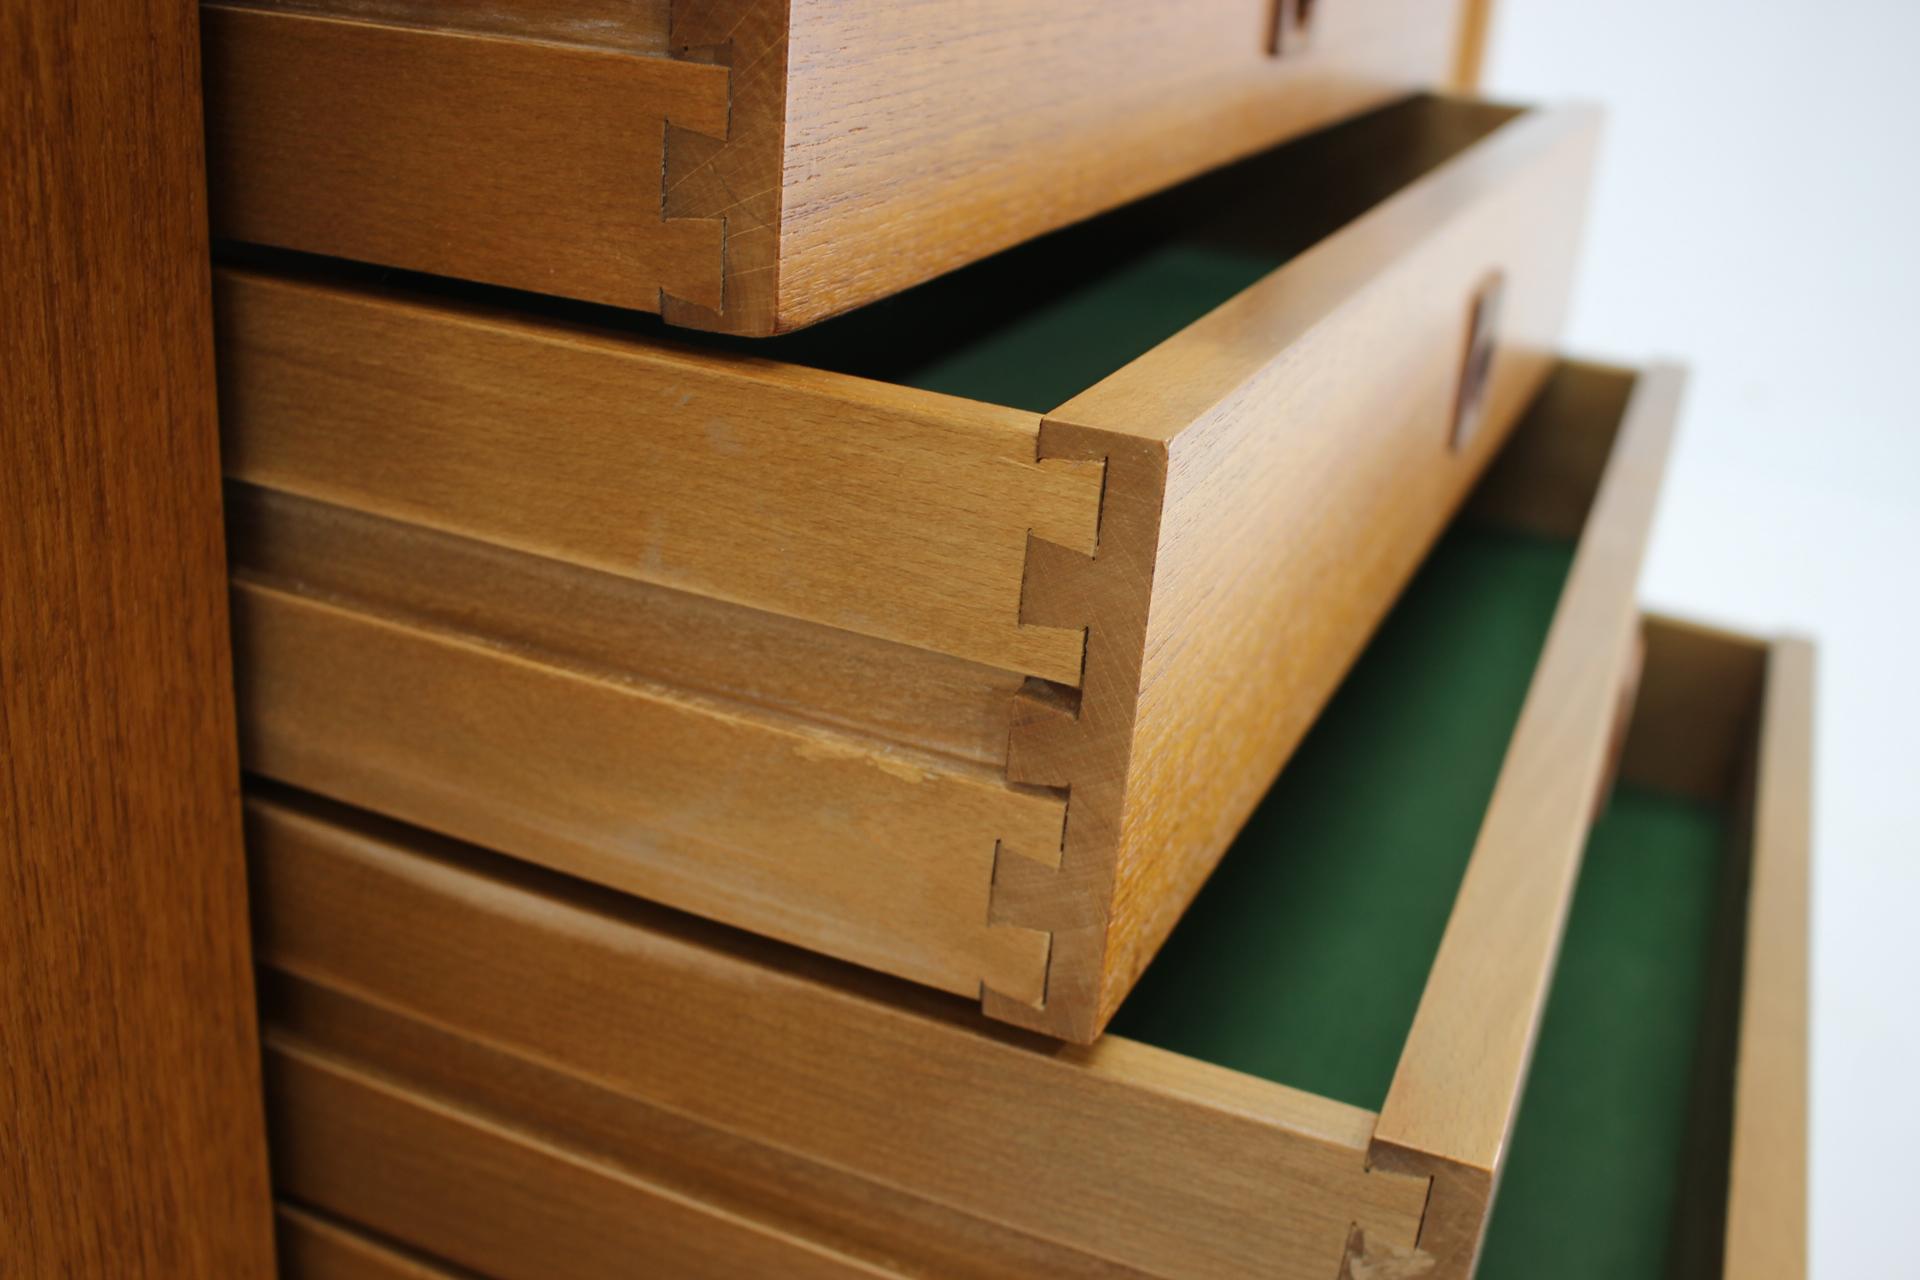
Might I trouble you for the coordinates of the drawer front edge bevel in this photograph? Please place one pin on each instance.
(1450, 1108)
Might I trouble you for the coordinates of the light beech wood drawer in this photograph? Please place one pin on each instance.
(753, 166)
(890, 666)
(527, 1075)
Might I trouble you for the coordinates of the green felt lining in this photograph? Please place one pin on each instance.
(1303, 958)
(1604, 1177)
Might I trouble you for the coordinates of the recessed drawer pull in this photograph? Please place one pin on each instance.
(1292, 21)
(1476, 369)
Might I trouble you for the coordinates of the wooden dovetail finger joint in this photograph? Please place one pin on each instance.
(731, 180)
(1079, 741)
(1379, 1260)
(1453, 1225)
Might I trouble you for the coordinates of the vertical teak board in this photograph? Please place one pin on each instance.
(132, 1138)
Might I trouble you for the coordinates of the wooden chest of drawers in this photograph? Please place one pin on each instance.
(756, 165)
(526, 1076)
(972, 691)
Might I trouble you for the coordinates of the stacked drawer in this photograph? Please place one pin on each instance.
(714, 795)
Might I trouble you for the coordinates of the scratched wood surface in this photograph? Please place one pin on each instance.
(132, 1141)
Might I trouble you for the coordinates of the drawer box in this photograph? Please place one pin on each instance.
(756, 165)
(481, 1059)
(873, 649)
(1662, 1130)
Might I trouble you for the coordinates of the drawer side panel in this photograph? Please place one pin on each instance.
(1150, 1160)
(836, 842)
(522, 162)
(884, 511)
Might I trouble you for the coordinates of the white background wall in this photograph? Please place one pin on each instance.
(1758, 216)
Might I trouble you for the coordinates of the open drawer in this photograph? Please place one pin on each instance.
(800, 1125)
(479, 1058)
(871, 648)
(756, 165)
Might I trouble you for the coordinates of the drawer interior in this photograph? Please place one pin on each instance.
(1035, 326)
(1618, 1163)
(1303, 958)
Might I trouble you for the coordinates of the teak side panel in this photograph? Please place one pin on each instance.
(876, 855)
(733, 1177)
(1767, 1178)
(131, 1138)
(616, 628)
(1451, 1106)
(886, 511)
(484, 1196)
(523, 162)
(920, 137)
(1269, 490)
(1118, 1150)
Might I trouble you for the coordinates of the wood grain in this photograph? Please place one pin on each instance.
(1128, 1153)
(815, 155)
(875, 854)
(883, 510)
(730, 1176)
(459, 153)
(133, 1143)
(1267, 499)
(313, 1247)
(733, 181)
(616, 628)
(1451, 1105)
(921, 137)
(483, 1195)
(1767, 1180)
(622, 26)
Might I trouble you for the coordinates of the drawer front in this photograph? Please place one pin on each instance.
(1303, 446)
(755, 165)
(1007, 682)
